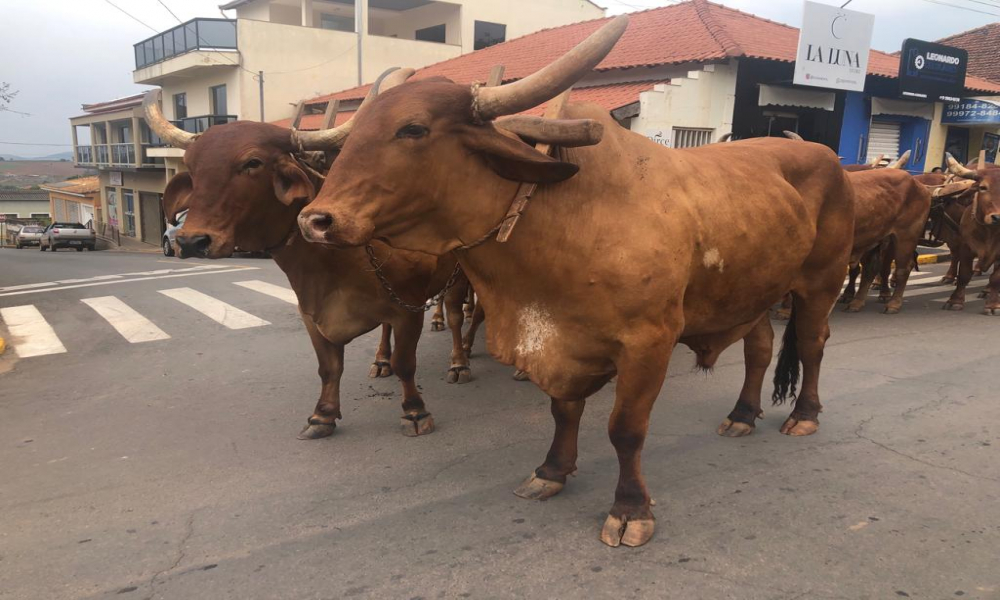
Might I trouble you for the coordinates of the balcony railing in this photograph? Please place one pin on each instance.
(84, 155)
(117, 155)
(122, 154)
(196, 34)
(200, 124)
(101, 154)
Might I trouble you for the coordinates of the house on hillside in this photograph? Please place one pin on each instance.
(24, 204)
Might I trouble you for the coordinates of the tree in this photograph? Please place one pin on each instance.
(6, 94)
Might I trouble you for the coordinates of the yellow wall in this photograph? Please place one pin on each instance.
(151, 182)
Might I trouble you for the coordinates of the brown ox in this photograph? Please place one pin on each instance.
(608, 270)
(979, 231)
(245, 188)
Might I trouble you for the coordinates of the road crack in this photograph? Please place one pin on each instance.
(181, 553)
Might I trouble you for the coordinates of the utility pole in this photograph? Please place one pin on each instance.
(358, 22)
(260, 85)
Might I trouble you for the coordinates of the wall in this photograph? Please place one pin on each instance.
(406, 23)
(196, 88)
(25, 208)
(288, 15)
(699, 99)
(524, 16)
(258, 11)
(152, 181)
(381, 53)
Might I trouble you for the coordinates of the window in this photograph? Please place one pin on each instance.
(112, 196)
(128, 210)
(180, 106)
(40, 215)
(488, 34)
(218, 95)
(125, 135)
(691, 138)
(432, 34)
(336, 22)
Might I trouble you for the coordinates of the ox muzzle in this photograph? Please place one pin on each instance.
(194, 246)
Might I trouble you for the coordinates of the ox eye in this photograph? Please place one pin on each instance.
(253, 163)
(412, 131)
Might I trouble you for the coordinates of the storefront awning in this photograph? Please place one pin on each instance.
(886, 106)
(981, 111)
(772, 95)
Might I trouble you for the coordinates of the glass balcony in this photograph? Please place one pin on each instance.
(196, 34)
(122, 154)
(200, 124)
(84, 155)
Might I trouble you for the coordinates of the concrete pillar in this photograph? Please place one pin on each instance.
(137, 140)
(361, 25)
(307, 13)
(75, 141)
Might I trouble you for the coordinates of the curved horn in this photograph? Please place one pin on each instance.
(393, 78)
(568, 133)
(956, 168)
(901, 161)
(492, 102)
(167, 131)
(726, 137)
(877, 161)
(793, 136)
(328, 139)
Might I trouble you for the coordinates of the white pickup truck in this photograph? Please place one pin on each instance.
(67, 235)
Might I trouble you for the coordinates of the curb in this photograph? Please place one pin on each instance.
(930, 259)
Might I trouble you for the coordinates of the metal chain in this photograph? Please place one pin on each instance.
(417, 308)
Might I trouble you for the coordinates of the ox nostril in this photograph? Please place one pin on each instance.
(320, 222)
(194, 245)
(995, 218)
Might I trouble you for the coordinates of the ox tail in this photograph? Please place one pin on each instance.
(786, 372)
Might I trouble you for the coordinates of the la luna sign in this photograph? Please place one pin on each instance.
(833, 47)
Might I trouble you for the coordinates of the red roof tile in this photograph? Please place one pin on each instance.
(981, 43)
(690, 32)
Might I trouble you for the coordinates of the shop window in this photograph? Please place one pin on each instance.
(884, 139)
(128, 212)
(488, 34)
(688, 137)
(111, 194)
(436, 33)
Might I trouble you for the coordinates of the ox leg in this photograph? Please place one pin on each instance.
(965, 258)
(868, 271)
(550, 478)
(757, 348)
(469, 307)
(887, 276)
(905, 261)
(382, 366)
(469, 340)
(783, 313)
(459, 371)
(331, 366)
(437, 319)
(993, 294)
(849, 292)
(952, 274)
(640, 376)
(416, 419)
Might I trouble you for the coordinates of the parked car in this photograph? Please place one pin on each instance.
(30, 235)
(67, 235)
(170, 234)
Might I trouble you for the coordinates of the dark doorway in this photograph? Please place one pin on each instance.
(957, 144)
(152, 218)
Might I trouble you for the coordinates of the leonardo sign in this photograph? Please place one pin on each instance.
(932, 71)
(833, 48)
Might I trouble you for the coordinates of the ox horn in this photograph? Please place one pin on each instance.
(491, 102)
(876, 161)
(167, 131)
(956, 168)
(901, 161)
(793, 136)
(726, 137)
(568, 133)
(328, 139)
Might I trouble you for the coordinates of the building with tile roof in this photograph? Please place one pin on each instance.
(75, 200)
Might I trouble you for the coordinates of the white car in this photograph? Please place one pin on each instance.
(171, 233)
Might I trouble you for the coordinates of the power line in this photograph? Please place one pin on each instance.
(982, 12)
(129, 15)
(34, 144)
(16, 112)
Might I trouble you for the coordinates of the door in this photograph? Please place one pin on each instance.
(883, 139)
(957, 144)
(151, 217)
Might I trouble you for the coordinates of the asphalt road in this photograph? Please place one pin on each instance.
(169, 468)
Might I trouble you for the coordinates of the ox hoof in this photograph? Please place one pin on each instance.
(949, 305)
(846, 299)
(437, 325)
(459, 374)
(948, 280)
(992, 311)
(730, 428)
(617, 532)
(798, 428)
(416, 425)
(854, 307)
(536, 488)
(783, 314)
(891, 309)
(315, 431)
(884, 299)
(380, 368)
(520, 375)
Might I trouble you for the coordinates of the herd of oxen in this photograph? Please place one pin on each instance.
(625, 248)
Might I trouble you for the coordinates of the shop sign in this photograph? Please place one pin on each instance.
(833, 48)
(931, 71)
(971, 111)
(660, 139)
(115, 177)
(991, 142)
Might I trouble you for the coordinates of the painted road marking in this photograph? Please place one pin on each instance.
(134, 327)
(217, 310)
(184, 273)
(275, 291)
(30, 333)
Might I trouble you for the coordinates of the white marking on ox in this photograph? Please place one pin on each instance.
(534, 329)
(713, 259)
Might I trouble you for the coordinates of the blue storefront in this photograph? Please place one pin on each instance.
(876, 125)
(970, 126)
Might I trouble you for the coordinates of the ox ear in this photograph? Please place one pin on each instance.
(291, 184)
(513, 159)
(177, 196)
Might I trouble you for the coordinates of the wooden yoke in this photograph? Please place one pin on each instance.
(526, 190)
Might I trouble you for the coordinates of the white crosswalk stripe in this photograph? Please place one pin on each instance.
(275, 291)
(134, 327)
(217, 310)
(31, 334)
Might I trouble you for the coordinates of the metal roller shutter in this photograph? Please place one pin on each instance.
(883, 139)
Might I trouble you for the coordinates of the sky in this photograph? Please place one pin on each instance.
(60, 54)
